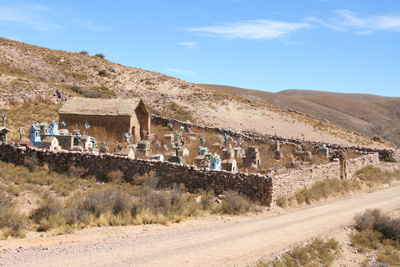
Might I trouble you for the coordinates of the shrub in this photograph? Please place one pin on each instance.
(390, 159)
(84, 52)
(49, 206)
(11, 221)
(316, 253)
(100, 55)
(282, 201)
(115, 176)
(103, 73)
(374, 219)
(235, 204)
(31, 163)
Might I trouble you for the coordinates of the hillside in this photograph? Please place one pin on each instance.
(367, 114)
(34, 81)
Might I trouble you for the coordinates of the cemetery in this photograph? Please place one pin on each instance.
(179, 152)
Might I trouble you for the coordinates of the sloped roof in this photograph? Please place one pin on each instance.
(96, 106)
(4, 129)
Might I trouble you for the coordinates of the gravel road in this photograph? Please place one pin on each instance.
(225, 241)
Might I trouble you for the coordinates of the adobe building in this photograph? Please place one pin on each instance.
(115, 115)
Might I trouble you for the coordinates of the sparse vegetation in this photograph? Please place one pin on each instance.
(11, 220)
(379, 234)
(69, 202)
(84, 52)
(100, 55)
(315, 253)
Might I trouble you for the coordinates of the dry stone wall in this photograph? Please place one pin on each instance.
(287, 184)
(255, 186)
(263, 139)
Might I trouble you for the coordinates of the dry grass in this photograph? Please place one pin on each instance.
(379, 234)
(70, 202)
(12, 222)
(316, 253)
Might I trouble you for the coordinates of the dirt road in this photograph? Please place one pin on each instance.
(209, 242)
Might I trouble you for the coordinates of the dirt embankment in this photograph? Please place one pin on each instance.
(221, 241)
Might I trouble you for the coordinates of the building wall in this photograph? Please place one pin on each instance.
(116, 124)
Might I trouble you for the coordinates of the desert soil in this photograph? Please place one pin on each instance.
(220, 241)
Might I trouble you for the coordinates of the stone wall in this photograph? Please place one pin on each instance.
(287, 184)
(264, 139)
(255, 186)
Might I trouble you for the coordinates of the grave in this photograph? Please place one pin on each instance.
(202, 151)
(50, 143)
(126, 152)
(3, 134)
(143, 150)
(177, 158)
(157, 157)
(323, 151)
(252, 158)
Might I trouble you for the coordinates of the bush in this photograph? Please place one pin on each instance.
(115, 176)
(390, 159)
(103, 73)
(31, 163)
(316, 253)
(49, 206)
(11, 221)
(100, 55)
(234, 204)
(84, 52)
(374, 219)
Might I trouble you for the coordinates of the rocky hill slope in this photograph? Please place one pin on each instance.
(30, 74)
(367, 114)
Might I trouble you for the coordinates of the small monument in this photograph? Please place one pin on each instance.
(143, 150)
(215, 162)
(202, 151)
(34, 134)
(3, 134)
(177, 158)
(252, 158)
(323, 151)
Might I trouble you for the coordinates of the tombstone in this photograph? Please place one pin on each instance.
(3, 134)
(44, 128)
(323, 151)
(66, 141)
(227, 153)
(169, 138)
(86, 142)
(252, 158)
(104, 149)
(143, 150)
(278, 155)
(183, 152)
(157, 157)
(177, 158)
(34, 135)
(239, 152)
(202, 151)
(50, 143)
(215, 162)
(126, 152)
(229, 165)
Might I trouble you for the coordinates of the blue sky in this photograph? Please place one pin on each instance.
(331, 45)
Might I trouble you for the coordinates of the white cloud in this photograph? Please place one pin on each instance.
(28, 16)
(93, 26)
(253, 29)
(346, 20)
(187, 73)
(189, 45)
